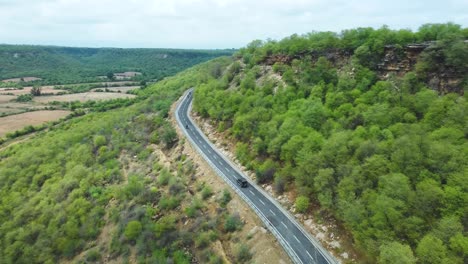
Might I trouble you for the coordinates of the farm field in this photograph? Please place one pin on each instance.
(122, 89)
(82, 97)
(27, 90)
(15, 115)
(15, 122)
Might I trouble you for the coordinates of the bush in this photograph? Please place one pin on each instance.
(206, 192)
(133, 230)
(169, 203)
(302, 204)
(243, 253)
(93, 256)
(164, 177)
(233, 223)
(24, 98)
(226, 198)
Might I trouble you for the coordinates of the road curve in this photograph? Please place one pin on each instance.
(299, 245)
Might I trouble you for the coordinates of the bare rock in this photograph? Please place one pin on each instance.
(345, 255)
(335, 244)
(299, 216)
(320, 236)
(309, 223)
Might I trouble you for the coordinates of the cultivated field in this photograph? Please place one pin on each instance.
(15, 122)
(24, 79)
(122, 89)
(27, 90)
(16, 115)
(6, 98)
(82, 97)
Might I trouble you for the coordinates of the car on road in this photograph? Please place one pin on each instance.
(242, 183)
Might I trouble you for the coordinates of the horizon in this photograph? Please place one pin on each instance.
(203, 49)
(195, 24)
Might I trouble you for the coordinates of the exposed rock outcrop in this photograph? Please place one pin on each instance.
(396, 60)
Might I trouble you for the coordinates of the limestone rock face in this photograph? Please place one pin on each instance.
(396, 60)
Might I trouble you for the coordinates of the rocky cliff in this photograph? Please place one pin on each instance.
(396, 60)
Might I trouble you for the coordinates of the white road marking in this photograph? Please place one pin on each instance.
(251, 192)
(226, 168)
(215, 157)
(209, 151)
(285, 225)
(272, 212)
(309, 255)
(262, 202)
(296, 238)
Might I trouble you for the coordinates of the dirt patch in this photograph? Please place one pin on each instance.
(82, 97)
(15, 122)
(6, 98)
(262, 243)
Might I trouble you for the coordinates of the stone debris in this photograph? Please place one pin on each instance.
(344, 255)
(335, 244)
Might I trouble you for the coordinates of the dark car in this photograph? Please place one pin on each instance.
(242, 183)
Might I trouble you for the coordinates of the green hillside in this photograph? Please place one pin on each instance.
(376, 149)
(91, 190)
(358, 126)
(71, 65)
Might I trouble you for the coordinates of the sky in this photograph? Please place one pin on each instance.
(206, 24)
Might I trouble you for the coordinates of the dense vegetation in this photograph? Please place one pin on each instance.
(76, 65)
(386, 157)
(60, 190)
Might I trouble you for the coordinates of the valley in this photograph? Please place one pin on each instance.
(346, 147)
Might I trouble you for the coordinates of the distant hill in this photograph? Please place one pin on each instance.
(69, 65)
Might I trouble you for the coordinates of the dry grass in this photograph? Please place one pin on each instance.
(6, 98)
(82, 97)
(15, 122)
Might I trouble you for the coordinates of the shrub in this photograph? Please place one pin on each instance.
(24, 98)
(302, 204)
(243, 253)
(164, 176)
(93, 256)
(232, 223)
(206, 192)
(226, 198)
(133, 230)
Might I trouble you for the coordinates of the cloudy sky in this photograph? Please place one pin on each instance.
(206, 23)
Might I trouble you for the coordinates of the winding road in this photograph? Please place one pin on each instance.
(300, 246)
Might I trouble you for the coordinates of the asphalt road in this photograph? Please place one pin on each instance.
(299, 245)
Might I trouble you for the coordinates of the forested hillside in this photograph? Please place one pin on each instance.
(93, 189)
(383, 153)
(71, 65)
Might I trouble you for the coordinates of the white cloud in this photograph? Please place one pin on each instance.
(204, 24)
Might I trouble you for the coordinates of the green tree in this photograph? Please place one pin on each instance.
(431, 250)
(36, 90)
(395, 252)
(302, 204)
(133, 230)
(110, 76)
